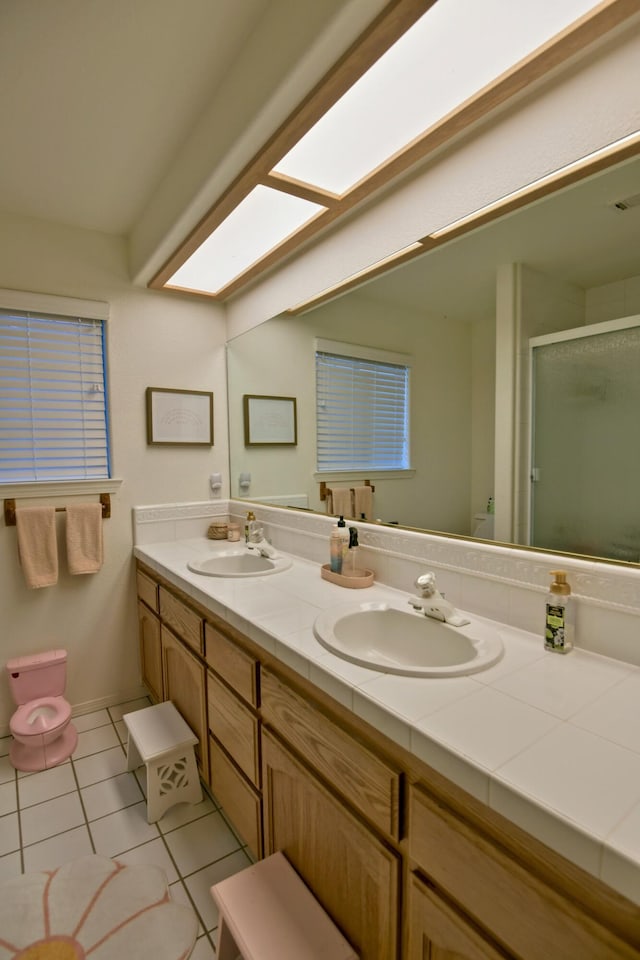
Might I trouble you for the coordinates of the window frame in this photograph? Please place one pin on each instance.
(374, 355)
(65, 307)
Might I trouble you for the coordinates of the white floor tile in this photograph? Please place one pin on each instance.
(89, 721)
(184, 813)
(123, 830)
(92, 741)
(121, 730)
(153, 852)
(119, 711)
(54, 816)
(180, 895)
(9, 834)
(7, 771)
(200, 843)
(203, 950)
(46, 785)
(199, 884)
(110, 795)
(10, 866)
(8, 798)
(57, 850)
(100, 766)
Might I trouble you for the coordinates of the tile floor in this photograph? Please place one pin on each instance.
(90, 804)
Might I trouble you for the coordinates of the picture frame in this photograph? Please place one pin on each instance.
(270, 421)
(179, 417)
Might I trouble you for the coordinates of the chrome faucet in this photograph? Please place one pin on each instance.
(263, 548)
(433, 604)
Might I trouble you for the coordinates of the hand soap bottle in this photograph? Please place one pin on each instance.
(558, 631)
(335, 549)
(351, 569)
(344, 534)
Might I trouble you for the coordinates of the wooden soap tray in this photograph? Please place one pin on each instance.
(355, 581)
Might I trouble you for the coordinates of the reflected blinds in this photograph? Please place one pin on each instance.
(53, 415)
(362, 413)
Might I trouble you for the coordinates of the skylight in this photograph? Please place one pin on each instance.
(260, 222)
(451, 53)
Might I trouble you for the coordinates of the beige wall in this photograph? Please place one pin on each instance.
(278, 358)
(153, 340)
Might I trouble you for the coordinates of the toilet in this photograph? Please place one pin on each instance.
(43, 735)
(483, 526)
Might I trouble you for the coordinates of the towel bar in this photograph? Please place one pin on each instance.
(323, 488)
(10, 509)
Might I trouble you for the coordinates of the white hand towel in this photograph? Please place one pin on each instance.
(37, 546)
(84, 537)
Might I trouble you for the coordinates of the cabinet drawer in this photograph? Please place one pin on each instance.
(531, 919)
(183, 621)
(234, 726)
(370, 784)
(241, 804)
(147, 590)
(237, 668)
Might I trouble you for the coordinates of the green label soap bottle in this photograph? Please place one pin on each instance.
(558, 632)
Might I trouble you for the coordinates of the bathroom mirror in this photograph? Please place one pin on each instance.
(569, 260)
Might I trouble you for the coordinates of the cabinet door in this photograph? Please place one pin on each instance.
(150, 651)
(353, 874)
(437, 932)
(185, 686)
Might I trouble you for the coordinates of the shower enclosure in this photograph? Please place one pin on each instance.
(585, 440)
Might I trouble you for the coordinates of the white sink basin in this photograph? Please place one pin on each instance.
(238, 564)
(406, 642)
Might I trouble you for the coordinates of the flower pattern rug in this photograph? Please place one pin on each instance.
(94, 909)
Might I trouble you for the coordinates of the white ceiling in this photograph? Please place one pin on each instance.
(99, 97)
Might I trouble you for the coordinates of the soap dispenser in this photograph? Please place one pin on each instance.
(344, 535)
(335, 549)
(558, 634)
(352, 553)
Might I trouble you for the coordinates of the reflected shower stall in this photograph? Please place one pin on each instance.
(585, 440)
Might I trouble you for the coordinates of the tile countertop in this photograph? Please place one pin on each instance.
(551, 742)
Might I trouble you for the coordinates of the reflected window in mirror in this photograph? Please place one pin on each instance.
(362, 408)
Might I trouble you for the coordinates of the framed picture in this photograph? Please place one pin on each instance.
(270, 420)
(179, 417)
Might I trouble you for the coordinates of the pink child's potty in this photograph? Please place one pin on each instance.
(43, 735)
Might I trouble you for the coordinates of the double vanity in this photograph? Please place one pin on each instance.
(397, 760)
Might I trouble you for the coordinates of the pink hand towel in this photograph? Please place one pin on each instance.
(37, 546)
(339, 501)
(84, 537)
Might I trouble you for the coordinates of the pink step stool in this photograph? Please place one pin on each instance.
(267, 913)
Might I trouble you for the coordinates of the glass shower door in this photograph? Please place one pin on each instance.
(585, 475)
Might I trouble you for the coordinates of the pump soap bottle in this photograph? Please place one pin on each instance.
(335, 549)
(558, 633)
(344, 534)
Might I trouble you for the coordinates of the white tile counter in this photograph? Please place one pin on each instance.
(551, 742)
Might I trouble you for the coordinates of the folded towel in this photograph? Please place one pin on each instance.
(339, 502)
(363, 503)
(37, 546)
(84, 537)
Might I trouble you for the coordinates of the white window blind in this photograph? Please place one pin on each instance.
(362, 412)
(53, 411)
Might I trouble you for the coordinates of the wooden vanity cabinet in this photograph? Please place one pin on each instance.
(406, 864)
(150, 652)
(437, 931)
(353, 873)
(185, 685)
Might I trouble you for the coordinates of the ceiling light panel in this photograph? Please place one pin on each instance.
(452, 52)
(259, 223)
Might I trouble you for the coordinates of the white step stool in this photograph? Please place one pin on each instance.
(267, 913)
(160, 739)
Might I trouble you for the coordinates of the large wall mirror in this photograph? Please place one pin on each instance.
(465, 313)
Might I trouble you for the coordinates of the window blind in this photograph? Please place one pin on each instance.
(53, 411)
(362, 413)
